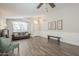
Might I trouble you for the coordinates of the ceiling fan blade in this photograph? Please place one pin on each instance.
(52, 5)
(39, 5)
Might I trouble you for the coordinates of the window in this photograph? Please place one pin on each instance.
(20, 26)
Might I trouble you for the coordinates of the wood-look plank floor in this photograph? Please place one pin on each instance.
(39, 46)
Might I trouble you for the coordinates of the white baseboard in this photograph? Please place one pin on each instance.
(68, 37)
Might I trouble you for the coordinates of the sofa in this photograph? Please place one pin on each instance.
(20, 35)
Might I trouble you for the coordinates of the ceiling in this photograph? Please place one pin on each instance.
(27, 9)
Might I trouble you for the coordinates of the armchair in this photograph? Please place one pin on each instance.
(6, 46)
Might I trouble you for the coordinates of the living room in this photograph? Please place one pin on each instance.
(35, 25)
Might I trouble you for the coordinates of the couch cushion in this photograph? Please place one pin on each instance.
(4, 43)
(16, 34)
(26, 34)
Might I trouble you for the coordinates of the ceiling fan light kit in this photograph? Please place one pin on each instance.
(52, 5)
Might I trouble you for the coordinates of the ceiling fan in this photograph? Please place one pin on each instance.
(52, 5)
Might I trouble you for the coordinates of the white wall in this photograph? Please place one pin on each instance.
(2, 23)
(36, 29)
(70, 16)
